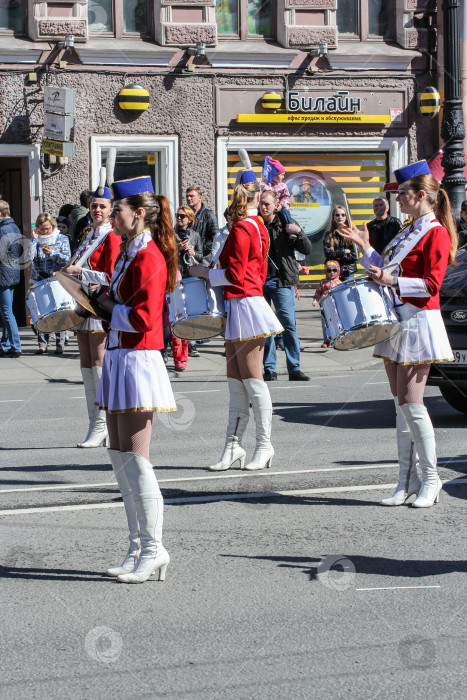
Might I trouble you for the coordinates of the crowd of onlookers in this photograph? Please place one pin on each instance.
(200, 239)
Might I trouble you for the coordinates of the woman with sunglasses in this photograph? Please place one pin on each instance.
(190, 250)
(425, 246)
(339, 247)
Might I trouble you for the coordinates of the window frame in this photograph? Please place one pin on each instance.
(24, 26)
(117, 23)
(242, 33)
(363, 22)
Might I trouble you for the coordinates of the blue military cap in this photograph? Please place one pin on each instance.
(102, 192)
(135, 185)
(248, 176)
(413, 170)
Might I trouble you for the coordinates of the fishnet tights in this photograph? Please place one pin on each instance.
(407, 382)
(130, 432)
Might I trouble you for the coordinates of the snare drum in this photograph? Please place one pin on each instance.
(357, 314)
(197, 310)
(52, 308)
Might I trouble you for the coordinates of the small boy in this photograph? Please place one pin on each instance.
(273, 176)
(331, 280)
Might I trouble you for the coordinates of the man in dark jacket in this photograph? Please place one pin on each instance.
(79, 217)
(10, 253)
(384, 227)
(205, 219)
(279, 288)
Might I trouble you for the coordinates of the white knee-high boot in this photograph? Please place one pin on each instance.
(97, 431)
(149, 508)
(408, 483)
(132, 555)
(239, 412)
(423, 436)
(260, 400)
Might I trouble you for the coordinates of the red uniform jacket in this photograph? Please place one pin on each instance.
(245, 259)
(428, 260)
(104, 257)
(140, 291)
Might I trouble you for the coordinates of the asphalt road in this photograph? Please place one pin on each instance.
(293, 582)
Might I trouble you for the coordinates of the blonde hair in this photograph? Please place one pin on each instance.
(439, 200)
(43, 218)
(335, 238)
(188, 211)
(243, 196)
(4, 208)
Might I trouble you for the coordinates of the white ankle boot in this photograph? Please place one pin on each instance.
(239, 410)
(133, 553)
(409, 483)
(423, 436)
(149, 508)
(97, 431)
(260, 400)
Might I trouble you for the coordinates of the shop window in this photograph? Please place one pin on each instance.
(244, 19)
(12, 16)
(363, 19)
(118, 17)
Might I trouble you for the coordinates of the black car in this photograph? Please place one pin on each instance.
(451, 377)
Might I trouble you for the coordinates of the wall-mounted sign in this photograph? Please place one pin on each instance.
(271, 100)
(59, 100)
(58, 148)
(314, 118)
(133, 99)
(340, 103)
(58, 126)
(428, 102)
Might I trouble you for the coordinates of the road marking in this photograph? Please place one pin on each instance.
(198, 391)
(12, 400)
(243, 475)
(373, 383)
(302, 386)
(394, 588)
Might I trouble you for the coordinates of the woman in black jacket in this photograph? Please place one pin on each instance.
(337, 247)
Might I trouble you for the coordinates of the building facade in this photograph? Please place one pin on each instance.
(329, 87)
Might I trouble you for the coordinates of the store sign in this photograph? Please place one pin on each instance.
(340, 103)
(58, 148)
(315, 118)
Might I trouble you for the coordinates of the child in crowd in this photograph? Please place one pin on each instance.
(273, 181)
(331, 280)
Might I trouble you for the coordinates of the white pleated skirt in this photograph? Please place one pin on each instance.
(134, 380)
(90, 325)
(250, 317)
(421, 340)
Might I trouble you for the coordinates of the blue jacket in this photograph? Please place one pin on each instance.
(11, 250)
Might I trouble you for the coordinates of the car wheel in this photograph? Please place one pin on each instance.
(455, 398)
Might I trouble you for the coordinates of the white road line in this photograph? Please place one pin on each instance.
(302, 386)
(243, 475)
(198, 391)
(12, 400)
(394, 588)
(373, 383)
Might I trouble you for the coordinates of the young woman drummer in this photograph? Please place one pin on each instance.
(97, 269)
(250, 320)
(134, 381)
(415, 284)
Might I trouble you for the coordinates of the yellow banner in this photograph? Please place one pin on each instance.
(314, 118)
(52, 147)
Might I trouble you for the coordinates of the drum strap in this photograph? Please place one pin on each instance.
(407, 246)
(218, 254)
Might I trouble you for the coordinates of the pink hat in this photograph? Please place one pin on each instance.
(271, 168)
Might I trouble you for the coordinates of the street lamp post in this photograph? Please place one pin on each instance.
(452, 126)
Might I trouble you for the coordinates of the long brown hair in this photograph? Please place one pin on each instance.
(438, 199)
(158, 219)
(243, 196)
(336, 238)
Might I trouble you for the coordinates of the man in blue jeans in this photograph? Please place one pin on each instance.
(279, 288)
(10, 252)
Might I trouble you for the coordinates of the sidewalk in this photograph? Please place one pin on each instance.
(50, 368)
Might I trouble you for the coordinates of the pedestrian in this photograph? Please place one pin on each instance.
(338, 247)
(426, 245)
(10, 276)
(461, 223)
(205, 219)
(279, 287)
(79, 218)
(249, 321)
(63, 225)
(94, 263)
(49, 251)
(273, 181)
(329, 282)
(190, 250)
(383, 228)
(134, 382)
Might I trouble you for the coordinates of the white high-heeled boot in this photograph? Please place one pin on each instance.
(131, 557)
(239, 413)
(423, 436)
(260, 400)
(409, 483)
(97, 431)
(149, 508)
